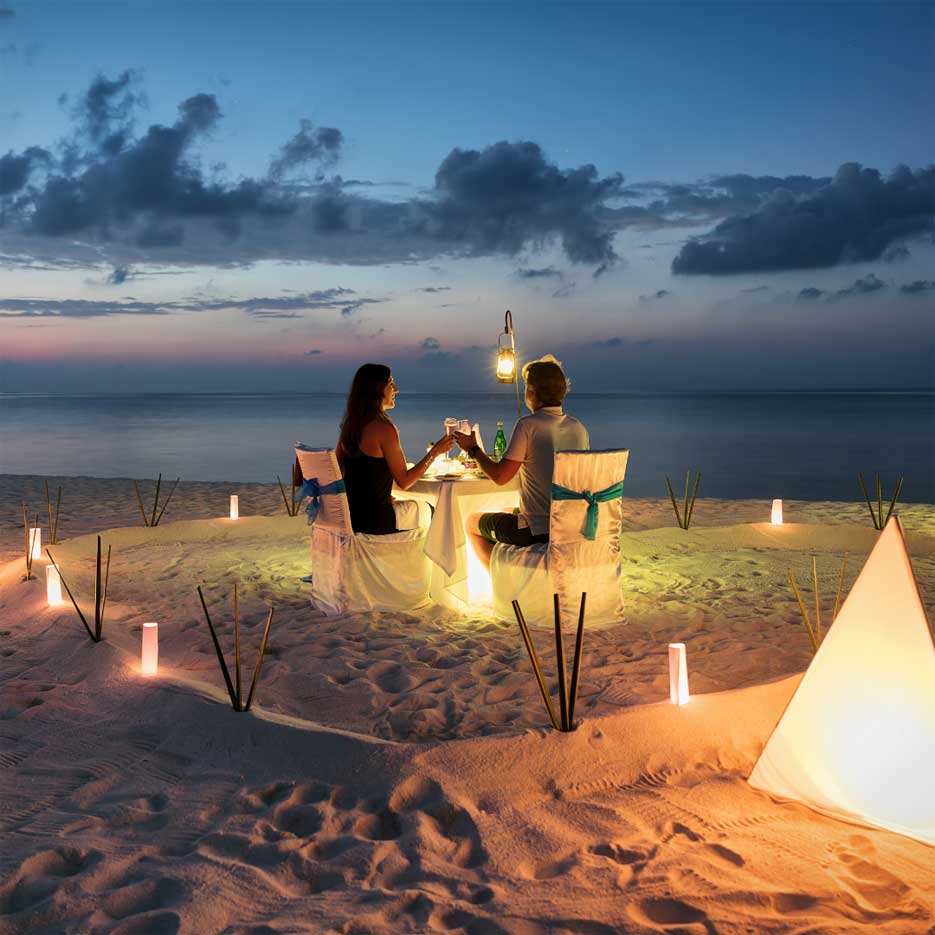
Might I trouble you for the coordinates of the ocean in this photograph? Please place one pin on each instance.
(806, 446)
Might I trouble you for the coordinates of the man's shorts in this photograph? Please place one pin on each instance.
(504, 527)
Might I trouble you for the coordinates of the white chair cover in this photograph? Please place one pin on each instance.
(570, 562)
(354, 572)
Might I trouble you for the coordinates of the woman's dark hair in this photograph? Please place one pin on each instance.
(364, 404)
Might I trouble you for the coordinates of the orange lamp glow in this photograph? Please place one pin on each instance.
(776, 517)
(678, 674)
(235, 506)
(53, 586)
(149, 662)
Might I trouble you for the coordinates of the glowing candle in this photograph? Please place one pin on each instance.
(776, 518)
(150, 656)
(53, 586)
(35, 541)
(678, 674)
(235, 506)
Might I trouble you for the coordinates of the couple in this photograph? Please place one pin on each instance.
(371, 457)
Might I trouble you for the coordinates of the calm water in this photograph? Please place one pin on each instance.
(798, 446)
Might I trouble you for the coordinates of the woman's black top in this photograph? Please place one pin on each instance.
(369, 486)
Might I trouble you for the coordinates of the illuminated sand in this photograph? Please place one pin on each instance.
(146, 805)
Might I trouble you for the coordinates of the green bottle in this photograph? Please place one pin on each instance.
(499, 443)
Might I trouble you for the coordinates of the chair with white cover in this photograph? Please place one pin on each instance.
(356, 571)
(583, 551)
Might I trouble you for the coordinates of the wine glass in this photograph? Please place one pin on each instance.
(451, 425)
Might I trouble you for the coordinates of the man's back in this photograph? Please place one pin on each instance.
(534, 442)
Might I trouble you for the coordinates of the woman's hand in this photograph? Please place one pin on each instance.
(442, 446)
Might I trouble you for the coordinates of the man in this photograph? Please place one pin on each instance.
(531, 451)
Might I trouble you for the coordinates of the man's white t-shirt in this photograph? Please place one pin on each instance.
(534, 441)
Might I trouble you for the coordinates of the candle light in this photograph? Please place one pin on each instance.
(150, 653)
(235, 506)
(678, 674)
(35, 541)
(776, 518)
(53, 586)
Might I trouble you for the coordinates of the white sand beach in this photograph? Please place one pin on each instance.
(396, 772)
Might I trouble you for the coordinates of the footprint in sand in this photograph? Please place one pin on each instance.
(41, 875)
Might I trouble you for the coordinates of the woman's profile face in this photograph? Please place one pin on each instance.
(389, 393)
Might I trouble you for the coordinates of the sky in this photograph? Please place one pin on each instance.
(259, 197)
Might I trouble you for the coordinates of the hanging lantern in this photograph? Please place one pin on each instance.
(678, 674)
(149, 662)
(506, 358)
(235, 506)
(53, 586)
(776, 518)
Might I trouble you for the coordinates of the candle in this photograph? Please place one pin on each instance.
(150, 652)
(776, 518)
(35, 541)
(53, 586)
(235, 506)
(678, 674)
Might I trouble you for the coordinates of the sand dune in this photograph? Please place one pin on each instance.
(396, 775)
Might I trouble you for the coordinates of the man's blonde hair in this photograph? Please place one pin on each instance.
(547, 378)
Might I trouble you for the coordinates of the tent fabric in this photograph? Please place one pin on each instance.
(569, 563)
(857, 739)
(354, 572)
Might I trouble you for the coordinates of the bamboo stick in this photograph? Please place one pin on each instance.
(58, 509)
(685, 507)
(678, 518)
(100, 625)
(172, 491)
(71, 597)
(560, 663)
(139, 500)
(28, 544)
(691, 512)
(889, 512)
(879, 502)
(863, 487)
(217, 649)
(576, 664)
(808, 624)
(837, 600)
(152, 522)
(534, 659)
(97, 592)
(259, 661)
(237, 646)
(817, 599)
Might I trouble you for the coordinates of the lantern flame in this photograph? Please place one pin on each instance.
(506, 365)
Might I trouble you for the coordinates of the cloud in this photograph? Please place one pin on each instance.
(611, 342)
(853, 218)
(564, 291)
(896, 252)
(430, 344)
(16, 170)
(864, 286)
(548, 272)
(914, 288)
(661, 294)
(509, 196)
(310, 144)
(119, 276)
(810, 293)
(434, 289)
(76, 308)
(314, 352)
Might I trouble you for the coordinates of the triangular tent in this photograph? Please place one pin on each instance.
(857, 740)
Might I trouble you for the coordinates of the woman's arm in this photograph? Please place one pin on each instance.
(396, 460)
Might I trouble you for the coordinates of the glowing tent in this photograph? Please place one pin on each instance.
(857, 740)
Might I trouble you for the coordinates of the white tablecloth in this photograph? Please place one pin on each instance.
(458, 577)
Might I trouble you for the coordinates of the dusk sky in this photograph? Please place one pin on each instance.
(261, 196)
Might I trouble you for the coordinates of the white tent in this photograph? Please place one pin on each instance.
(857, 739)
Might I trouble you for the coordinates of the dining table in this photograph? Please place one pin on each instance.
(459, 579)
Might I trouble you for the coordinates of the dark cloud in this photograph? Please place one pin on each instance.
(16, 170)
(509, 196)
(564, 291)
(76, 308)
(320, 145)
(920, 285)
(863, 286)
(660, 294)
(611, 342)
(547, 272)
(896, 252)
(104, 111)
(314, 352)
(434, 289)
(119, 276)
(430, 344)
(853, 218)
(810, 293)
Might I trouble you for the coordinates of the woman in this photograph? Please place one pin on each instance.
(370, 455)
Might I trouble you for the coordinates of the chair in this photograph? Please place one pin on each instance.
(354, 571)
(583, 551)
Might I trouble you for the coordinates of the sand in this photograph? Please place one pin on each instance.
(396, 774)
